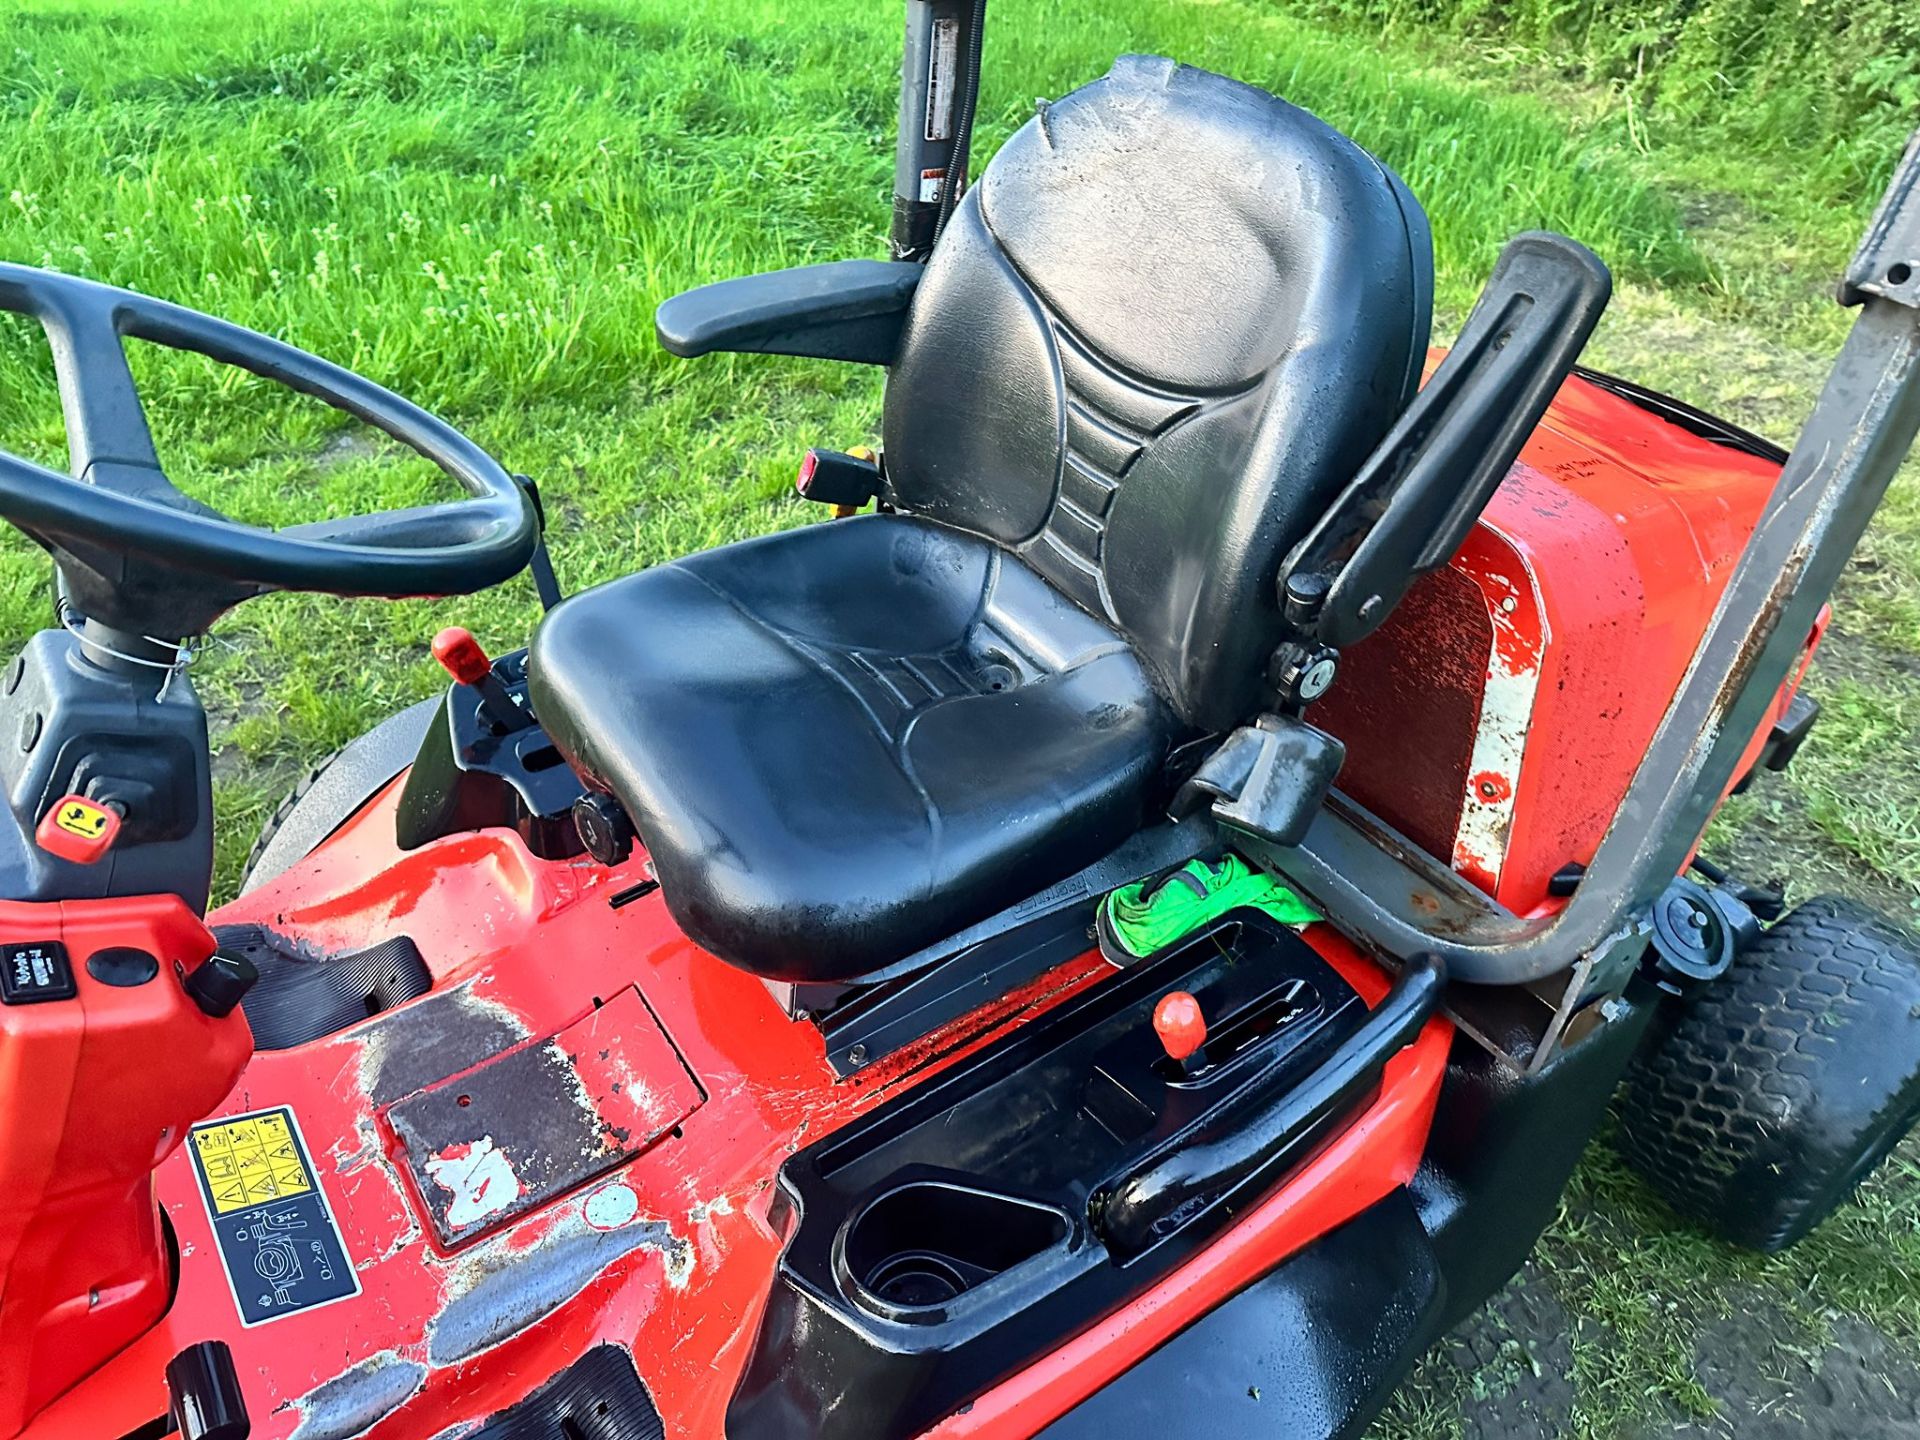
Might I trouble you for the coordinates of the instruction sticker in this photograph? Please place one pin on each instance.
(278, 1240)
(943, 59)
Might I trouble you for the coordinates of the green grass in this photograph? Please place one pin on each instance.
(479, 205)
(1833, 84)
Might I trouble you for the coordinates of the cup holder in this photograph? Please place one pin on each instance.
(910, 1252)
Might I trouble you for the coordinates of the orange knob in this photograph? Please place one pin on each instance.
(1179, 1024)
(457, 650)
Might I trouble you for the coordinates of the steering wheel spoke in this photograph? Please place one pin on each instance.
(106, 422)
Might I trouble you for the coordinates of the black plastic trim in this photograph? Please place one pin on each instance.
(843, 310)
(1790, 732)
(1310, 1351)
(986, 1184)
(598, 1397)
(1248, 1138)
(473, 772)
(1313, 1349)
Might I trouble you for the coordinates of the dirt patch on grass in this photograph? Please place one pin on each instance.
(1513, 1365)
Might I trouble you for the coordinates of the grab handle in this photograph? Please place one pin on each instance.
(1243, 1144)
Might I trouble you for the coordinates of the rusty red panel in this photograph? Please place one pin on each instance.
(1407, 705)
(527, 1125)
(1597, 565)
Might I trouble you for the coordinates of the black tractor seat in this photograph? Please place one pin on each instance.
(1156, 339)
(841, 742)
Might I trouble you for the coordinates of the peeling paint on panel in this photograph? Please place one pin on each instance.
(354, 1400)
(436, 1036)
(504, 1287)
(1506, 705)
(480, 1178)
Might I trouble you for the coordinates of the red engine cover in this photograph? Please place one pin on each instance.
(98, 1082)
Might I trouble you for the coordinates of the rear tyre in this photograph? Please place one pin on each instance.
(1782, 1085)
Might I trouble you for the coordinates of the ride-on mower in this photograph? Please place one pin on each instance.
(1129, 936)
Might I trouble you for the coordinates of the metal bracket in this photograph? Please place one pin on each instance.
(1888, 261)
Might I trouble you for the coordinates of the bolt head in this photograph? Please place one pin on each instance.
(1317, 680)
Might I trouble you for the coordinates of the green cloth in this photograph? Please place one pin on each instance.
(1152, 914)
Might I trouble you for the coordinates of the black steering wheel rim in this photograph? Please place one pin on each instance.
(124, 524)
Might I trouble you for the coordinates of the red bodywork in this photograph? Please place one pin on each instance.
(1541, 660)
(96, 1090)
(1611, 540)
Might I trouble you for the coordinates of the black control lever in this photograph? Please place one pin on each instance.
(1245, 1143)
(1419, 493)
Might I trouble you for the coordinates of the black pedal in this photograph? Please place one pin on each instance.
(834, 477)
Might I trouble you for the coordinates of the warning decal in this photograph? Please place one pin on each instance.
(249, 1160)
(278, 1240)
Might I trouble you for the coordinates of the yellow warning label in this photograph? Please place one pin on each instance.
(77, 817)
(250, 1160)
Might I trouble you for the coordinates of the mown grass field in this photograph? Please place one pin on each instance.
(479, 204)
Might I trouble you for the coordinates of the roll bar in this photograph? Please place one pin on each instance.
(1398, 901)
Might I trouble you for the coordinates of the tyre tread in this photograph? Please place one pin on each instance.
(1723, 1117)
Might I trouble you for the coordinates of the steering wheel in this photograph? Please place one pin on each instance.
(139, 555)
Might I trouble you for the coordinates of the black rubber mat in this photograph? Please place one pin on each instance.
(598, 1397)
(303, 994)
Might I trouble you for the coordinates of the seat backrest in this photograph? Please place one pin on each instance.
(1155, 340)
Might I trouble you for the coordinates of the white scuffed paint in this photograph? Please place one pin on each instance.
(611, 1206)
(480, 1178)
(1499, 742)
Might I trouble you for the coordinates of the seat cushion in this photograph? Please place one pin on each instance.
(842, 743)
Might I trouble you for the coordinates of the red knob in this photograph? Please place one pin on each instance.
(1180, 1025)
(457, 650)
(76, 829)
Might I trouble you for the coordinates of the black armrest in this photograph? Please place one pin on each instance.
(843, 310)
(1420, 492)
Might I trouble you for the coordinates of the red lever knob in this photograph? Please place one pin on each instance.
(1179, 1024)
(457, 650)
(76, 829)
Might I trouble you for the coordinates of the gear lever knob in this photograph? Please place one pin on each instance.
(1180, 1025)
(461, 655)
